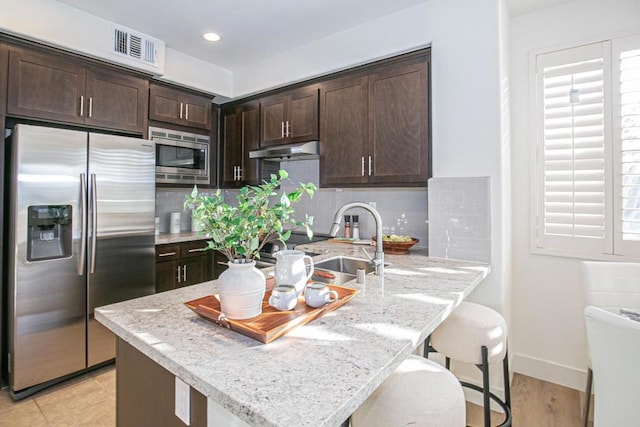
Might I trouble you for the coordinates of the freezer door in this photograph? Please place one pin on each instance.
(121, 255)
(47, 294)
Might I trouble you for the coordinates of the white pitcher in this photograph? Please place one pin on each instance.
(291, 269)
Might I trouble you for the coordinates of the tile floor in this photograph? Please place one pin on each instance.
(88, 400)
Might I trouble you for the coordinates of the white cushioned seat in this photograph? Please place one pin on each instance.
(469, 327)
(418, 393)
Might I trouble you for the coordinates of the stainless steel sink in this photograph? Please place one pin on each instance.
(340, 269)
(343, 264)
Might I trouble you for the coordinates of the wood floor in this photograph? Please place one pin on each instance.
(536, 403)
(89, 401)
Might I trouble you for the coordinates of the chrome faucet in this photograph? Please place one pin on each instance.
(378, 261)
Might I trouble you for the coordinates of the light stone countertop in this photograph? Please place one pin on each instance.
(318, 374)
(184, 236)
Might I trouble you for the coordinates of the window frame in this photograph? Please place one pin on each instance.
(611, 247)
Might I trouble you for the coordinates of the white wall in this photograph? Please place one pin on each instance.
(71, 29)
(549, 340)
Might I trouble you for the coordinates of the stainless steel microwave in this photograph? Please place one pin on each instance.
(181, 157)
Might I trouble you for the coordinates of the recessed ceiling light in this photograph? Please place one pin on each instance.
(212, 37)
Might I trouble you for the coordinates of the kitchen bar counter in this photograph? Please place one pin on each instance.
(318, 374)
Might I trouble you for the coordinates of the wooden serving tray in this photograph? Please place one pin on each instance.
(272, 323)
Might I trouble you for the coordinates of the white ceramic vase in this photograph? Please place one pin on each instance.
(242, 289)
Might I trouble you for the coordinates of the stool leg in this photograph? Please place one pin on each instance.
(587, 397)
(485, 386)
(426, 347)
(505, 373)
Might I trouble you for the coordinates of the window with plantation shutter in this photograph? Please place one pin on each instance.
(587, 163)
(572, 136)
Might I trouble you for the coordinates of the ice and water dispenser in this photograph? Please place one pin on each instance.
(49, 232)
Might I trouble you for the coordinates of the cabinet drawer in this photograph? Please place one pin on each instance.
(191, 249)
(167, 252)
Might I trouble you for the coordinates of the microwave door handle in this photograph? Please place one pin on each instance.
(94, 223)
(83, 230)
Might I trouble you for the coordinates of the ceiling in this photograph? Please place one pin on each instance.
(251, 30)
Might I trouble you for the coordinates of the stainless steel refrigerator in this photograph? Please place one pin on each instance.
(81, 235)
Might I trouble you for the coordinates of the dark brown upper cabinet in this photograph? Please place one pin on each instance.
(240, 134)
(344, 129)
(374, 126)
(52, 87)
(179, 107)
(289, 117)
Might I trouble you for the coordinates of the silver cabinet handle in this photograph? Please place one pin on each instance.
(288, 128)
(181, 110)
(197, 250)
(90, 106)
(282, 130)
(94, 222)
(81, 105)
(239, 173)
(83, 233)
(167, 254)
(178, 274)
(186, 111)
(184, 272)
(369, 165)
(362, 168)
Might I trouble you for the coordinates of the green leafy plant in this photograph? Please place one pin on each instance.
(240, 232)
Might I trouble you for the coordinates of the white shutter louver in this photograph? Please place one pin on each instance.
(571, 149)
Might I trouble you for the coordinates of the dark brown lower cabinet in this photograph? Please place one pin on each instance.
(145, 393)
(183, 264)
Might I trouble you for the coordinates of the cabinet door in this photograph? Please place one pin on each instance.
(194, 270)
(273, 111)
(116, 100)
(166, 275)
(398, 134)
(231, 147)
(240, 135)
(250, 140)
(165, 104)
(197, 111)
(303, 115)
(46, 87)
(344, 131)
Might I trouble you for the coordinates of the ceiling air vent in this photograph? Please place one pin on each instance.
(135, 46)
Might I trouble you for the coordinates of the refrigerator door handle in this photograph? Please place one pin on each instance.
(94, 223)
(83, 232)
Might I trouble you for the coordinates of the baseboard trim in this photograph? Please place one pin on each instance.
(556, 373)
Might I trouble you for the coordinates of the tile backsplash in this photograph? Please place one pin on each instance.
(459, 218)
(403, 210)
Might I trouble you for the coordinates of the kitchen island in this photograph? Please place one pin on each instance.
(316, 375)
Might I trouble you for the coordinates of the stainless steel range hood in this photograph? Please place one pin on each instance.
(288, 152)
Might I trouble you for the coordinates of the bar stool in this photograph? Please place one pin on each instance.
(475, 334)
(419, 392)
